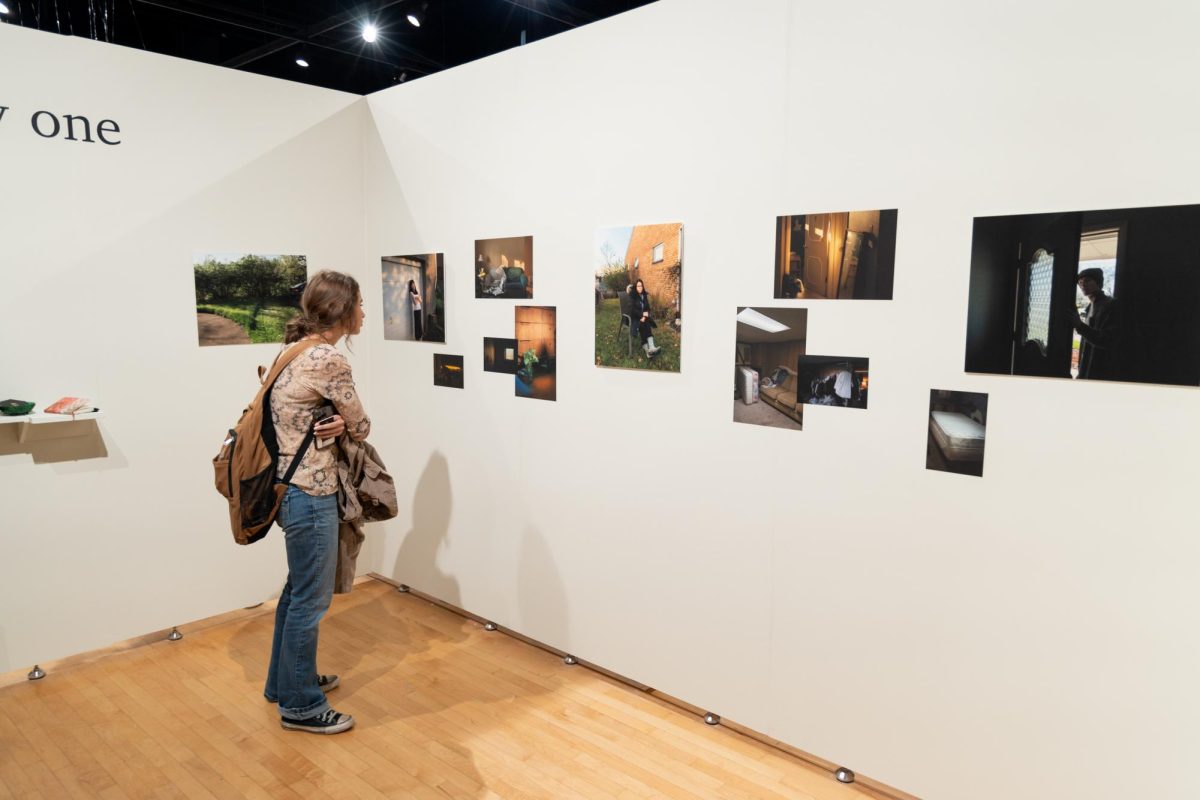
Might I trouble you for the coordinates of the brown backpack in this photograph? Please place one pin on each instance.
(248, 461)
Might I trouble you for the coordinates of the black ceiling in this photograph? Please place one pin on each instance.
(266, 36)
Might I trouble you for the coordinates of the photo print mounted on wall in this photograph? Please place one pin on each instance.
(832, 381)
(536, 334)
(245, 298)
(841, 255)
(1087, 295)
(504, 268)
(638, 272)
(414, 298)
(769, 344)
(957, 428)
(447, 371)
(500, 355)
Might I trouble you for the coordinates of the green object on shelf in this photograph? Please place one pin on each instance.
(15, 408)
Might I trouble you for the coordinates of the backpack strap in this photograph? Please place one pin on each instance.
(281, 361)
(291, 470)
(285, 358)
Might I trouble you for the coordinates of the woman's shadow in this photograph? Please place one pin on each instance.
(416, 562)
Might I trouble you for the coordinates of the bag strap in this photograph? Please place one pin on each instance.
(281, 361)
(285, 358)
(296, 459)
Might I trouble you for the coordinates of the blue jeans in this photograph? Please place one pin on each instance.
(310, 530)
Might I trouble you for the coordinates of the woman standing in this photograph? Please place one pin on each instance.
(645, 322)
(331, 308)
(415, 297)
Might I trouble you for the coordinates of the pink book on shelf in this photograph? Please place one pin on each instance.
(69, 405)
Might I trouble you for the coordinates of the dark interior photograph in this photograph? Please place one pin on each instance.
(500, 355)
(843, 255)
(833, 381)
(448, 371)
(1089, 295)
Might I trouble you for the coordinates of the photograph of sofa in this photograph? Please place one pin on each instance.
(769, 341)
(504, 268)
(957, 430)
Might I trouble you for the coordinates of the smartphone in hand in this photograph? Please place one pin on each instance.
(322, 414)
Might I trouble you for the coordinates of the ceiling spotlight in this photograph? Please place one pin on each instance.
(370, 33)
(4, 9)
(415, 18)
(301, 61)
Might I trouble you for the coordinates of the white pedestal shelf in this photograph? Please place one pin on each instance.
(27, 421)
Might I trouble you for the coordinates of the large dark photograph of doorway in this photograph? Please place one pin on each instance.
(1087, 295)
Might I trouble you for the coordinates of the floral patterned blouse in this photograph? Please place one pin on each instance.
(317, 376)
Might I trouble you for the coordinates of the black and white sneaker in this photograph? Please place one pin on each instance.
(329, 721)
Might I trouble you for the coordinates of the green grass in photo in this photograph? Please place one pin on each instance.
(264, 327)
(612, 350)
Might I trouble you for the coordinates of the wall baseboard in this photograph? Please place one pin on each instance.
(87, 657)
(872, 787)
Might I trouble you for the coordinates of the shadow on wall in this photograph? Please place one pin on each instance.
(541, 596)
(53, 444)
(416, 563)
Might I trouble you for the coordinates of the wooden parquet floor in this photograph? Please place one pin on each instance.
(443, 709)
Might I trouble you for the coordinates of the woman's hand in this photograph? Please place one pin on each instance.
(334, 426)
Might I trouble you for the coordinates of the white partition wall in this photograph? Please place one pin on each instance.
(97, 298)
(1024, 634)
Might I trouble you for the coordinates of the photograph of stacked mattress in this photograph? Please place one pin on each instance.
(958, 436)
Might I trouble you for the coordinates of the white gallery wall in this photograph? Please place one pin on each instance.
(97, 299)
(1026, 634)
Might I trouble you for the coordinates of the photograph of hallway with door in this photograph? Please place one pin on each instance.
(843, 255)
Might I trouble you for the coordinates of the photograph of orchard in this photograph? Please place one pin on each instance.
(639, 283)
(246, 298)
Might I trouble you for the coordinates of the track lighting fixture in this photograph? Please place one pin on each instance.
(415, 18)
(370, 33)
